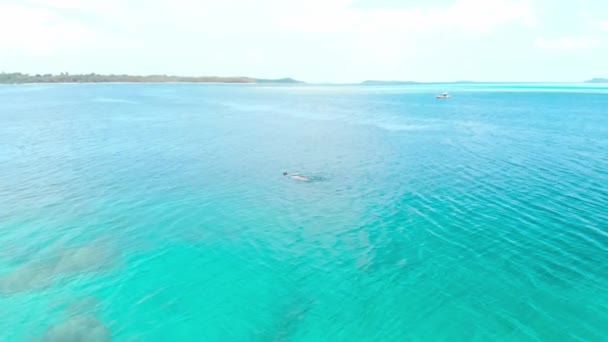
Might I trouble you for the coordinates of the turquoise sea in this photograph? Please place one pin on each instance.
(159, 212)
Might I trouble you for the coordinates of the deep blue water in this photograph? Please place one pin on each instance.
(159, 212)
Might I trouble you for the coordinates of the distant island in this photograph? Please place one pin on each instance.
(20, 78)
(379, 82)
(597, 80)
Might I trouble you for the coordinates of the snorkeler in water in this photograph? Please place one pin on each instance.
(297, 177)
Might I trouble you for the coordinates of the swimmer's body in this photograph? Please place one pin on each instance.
(297, 177)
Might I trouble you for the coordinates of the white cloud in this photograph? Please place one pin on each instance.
(44, 31)
(59, 4)
(255, 37)
(39, 26)
(488, 14)
(604, 26)
(398, 35)
(36, 31)
(567, 43)
(470, 15)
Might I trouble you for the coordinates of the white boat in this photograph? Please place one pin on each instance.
(443, 96)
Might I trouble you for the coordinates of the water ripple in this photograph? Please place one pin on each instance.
(479, 218)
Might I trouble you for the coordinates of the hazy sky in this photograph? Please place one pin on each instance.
(312, 40)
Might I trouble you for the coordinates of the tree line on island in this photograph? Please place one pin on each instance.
(64, 77)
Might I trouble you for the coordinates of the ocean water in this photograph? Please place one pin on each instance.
(159, 212)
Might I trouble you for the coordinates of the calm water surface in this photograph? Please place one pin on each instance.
(159, 212)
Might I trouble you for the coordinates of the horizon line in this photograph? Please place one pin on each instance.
(249, 79)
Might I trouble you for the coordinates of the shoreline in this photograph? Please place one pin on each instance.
(600, 84)
(66, 83)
